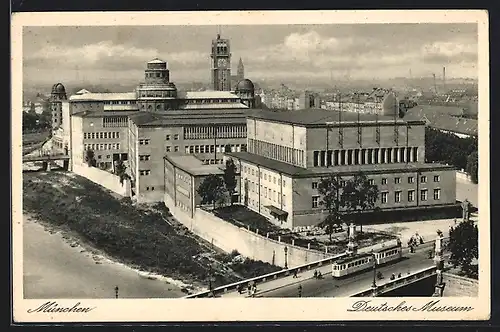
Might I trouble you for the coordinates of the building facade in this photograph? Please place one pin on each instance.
(289, 154)
(183, 175)
(205, 135)
(104, 133)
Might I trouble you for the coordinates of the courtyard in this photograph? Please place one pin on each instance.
(313, 238)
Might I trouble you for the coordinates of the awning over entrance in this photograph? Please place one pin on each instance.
(276, 211)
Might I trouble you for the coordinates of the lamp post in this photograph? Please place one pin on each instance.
(374, 284)
(286, 256)
(210, 277)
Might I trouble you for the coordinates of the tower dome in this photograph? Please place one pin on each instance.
(58, 88)
(245, 85)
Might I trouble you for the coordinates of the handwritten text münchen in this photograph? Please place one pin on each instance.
(432, 306)
(53, 306)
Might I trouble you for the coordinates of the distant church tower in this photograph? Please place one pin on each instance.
(221, 64)
(241, 71)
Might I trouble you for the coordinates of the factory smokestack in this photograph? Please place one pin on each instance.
(444, 79)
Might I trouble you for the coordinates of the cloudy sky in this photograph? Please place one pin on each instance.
(361, 51)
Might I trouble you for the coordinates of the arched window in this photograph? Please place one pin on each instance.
(150, 107)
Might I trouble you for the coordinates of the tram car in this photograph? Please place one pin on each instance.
(360, 262)
(388, 254)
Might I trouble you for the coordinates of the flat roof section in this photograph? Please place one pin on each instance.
(101, 114)
(192, 165)
(175, 118)
(105, 96)
(321, 117)
(301, 172)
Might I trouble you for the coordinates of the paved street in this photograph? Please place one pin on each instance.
(54, 269)
(328, 287)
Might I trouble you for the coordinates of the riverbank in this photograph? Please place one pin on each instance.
(58, 264)
(138, 236)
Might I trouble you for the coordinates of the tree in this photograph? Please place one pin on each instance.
(120, 169)
(90, 158)
(329, 188)
(472, 166)
(32, 108)
(359, 195)
(463, 246)
(230, 178)
(211, 189)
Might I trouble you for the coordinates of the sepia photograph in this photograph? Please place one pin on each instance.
(164, 161)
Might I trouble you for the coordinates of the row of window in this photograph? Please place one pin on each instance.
(169, 148)
(102, 146)
(220, 131)
(364, 156)
(277, 152)
(102, 135)
(144, 172)
(397, 180)
(150, 188)
(119, 102)
(268, 192)
(159, 94)
(411, 195)
(114, 121)
(190, 149)
(212, 161)
(168, 137)
(263, 175)
(397, 196)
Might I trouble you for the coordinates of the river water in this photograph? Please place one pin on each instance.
(53, 268)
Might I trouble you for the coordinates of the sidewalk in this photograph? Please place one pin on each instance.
(270, 285)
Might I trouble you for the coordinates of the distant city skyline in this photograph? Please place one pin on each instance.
(326, 53)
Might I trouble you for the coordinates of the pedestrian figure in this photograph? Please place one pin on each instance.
(320, 275)
(249, 289)
(295, 274)
(300, 290)
(239, 289)
(393, 276)
(315, 274)
(399, 275)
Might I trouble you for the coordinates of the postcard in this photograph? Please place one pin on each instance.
(264, 166)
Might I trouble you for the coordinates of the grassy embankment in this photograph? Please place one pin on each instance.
(138, 236)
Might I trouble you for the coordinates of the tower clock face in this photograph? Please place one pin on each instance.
(222, 62)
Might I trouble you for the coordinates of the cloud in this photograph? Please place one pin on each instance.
(315, 52)
(449, 52)
(108, 56)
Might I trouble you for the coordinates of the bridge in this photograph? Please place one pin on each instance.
(392, 285)
(413, 268)
(46, 159)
